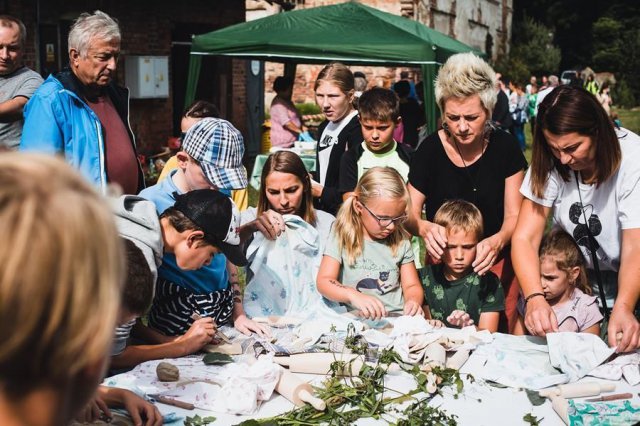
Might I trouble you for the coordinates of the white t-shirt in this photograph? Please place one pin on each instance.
(609, 208)
(327, 140)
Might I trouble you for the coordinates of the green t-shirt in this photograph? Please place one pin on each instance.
(370, 159)
(376, 272)
(473, 294)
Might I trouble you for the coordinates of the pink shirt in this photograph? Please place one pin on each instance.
(121, 162)
(281, 114)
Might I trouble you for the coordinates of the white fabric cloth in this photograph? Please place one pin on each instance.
(624, 365)
(609, 208)
(282, 273)
(576, 354)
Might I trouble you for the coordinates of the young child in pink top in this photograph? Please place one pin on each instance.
(565, 286)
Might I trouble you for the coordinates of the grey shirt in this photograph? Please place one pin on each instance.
(22, 82)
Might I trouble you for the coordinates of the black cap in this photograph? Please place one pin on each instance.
(218, 217)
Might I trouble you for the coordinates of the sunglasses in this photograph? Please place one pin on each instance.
(385, 221)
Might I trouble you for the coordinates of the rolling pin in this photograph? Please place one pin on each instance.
(435, 355)
(561, 407)
(457, 360)
(320, 363)
(298, 391)
(578, 390)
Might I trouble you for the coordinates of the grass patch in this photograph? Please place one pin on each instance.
(630, 118)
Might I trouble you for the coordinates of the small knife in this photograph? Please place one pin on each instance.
(196, 316)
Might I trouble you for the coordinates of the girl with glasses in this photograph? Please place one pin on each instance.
(368, 262)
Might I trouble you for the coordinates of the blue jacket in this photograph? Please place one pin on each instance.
(57, 120)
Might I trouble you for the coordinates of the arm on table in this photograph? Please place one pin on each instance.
(540, 318)
(329, 286)
(199, 334)
(240, 320)
(622, 318)
(490, 247)
(411, 289)
(137, 407)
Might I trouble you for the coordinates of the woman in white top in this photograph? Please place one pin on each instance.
(587, 173)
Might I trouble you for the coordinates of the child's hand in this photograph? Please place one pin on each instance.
(412, 308)
(370, 306)
(199, 334)
(459, 319)
(435, 323)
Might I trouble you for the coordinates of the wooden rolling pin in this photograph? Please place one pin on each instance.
(298, 391)
(320, 363)
(457, 360)
(578, 390)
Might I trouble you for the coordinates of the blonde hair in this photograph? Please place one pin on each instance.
(460, 215)
(464, 75)
(337, 74)
(377, 182)
(566, 254)
(61, 276)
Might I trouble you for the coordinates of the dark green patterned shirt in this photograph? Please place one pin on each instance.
(473, 294)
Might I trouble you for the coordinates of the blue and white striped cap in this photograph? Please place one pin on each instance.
(219, 148)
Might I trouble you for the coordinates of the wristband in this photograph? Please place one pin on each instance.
(531, 296)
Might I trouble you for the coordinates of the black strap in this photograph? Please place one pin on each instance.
(592, 249)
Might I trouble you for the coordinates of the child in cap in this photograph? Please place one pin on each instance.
(137, 295)
(211, 157)
(453, 292)
(379, 112)
(200, 226)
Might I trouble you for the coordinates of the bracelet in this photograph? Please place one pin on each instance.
(531, 296)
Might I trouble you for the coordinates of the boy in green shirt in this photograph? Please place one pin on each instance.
(454, 293)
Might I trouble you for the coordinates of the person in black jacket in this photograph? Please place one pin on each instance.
(338, 133)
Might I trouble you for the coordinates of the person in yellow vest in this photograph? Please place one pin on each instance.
(591, 85)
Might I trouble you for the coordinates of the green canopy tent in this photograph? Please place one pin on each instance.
(351, 33)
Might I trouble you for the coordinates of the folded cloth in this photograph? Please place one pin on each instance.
(576, 354)
(623, 365)
(600, 413)
(516, 361)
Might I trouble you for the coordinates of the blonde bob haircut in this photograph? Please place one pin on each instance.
(460, 215)
(60, 283)
(377, 182)
(465, 75)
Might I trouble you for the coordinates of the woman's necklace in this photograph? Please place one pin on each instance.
(464, 163)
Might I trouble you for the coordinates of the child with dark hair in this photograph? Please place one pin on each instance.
(200, 225)
(379, 111)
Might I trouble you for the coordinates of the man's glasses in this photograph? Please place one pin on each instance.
(386, 221)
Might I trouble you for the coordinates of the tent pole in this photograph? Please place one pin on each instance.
(195, 62)
(431, 109)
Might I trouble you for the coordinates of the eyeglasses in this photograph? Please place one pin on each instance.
(385, 221)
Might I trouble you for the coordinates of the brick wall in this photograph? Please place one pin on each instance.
(147, 29)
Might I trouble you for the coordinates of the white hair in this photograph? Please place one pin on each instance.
(464, 75)
(89, 26)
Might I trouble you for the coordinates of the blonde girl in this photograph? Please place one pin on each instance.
(565, 286)
(368, 262)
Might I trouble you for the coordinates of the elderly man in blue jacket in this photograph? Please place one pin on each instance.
(82, 114)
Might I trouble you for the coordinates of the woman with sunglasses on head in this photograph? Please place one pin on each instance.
(368, 263)
(469, 159)
(588, 174)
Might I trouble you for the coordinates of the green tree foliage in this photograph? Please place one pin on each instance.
(608, 51)
(532, 52)
(533, 47)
